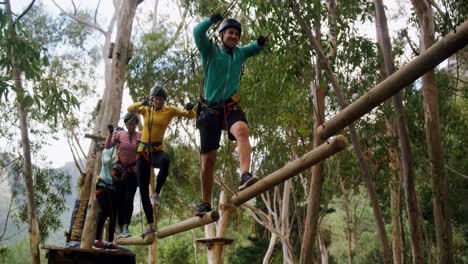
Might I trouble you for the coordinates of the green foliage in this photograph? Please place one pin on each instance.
(50, 186)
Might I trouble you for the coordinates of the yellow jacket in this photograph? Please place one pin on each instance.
(160, 120)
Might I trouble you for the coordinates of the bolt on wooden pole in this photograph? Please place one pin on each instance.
(428, 60)
(291, 169)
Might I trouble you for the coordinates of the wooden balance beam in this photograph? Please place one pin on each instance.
(428, 60)
(185, 225)
(291, 169)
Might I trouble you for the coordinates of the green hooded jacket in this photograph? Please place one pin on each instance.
(224, 70)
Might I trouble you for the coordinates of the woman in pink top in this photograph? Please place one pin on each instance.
(124, 172)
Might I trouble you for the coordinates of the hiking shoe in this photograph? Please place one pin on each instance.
(156, 201)
(247, 179)
(203, 208)
(148, 231)
(110, 245)
(98, 244)
(126, 233)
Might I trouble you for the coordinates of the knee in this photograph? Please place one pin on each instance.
(241, 132)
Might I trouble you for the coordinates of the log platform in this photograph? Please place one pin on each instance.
(69, 255)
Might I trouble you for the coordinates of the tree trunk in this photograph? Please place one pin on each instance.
(434, 142)
(112, 108)
(348, 226)
(408, 173)
(33, 229)
(313, 198)
(315, 45)
(33, 226)
(288, 255)
(323, 249)
(271, 248)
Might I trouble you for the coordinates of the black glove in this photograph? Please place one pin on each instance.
(215, 18)
(262, 40)
(189, 107)
(146, 101)
(110, 128)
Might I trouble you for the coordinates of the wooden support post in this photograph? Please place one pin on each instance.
(216, 244)
(191, 223)
(428, 60)
(291, 169)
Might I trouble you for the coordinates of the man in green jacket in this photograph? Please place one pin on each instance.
(219, 109)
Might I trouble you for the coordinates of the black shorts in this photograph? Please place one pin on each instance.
(210, 124)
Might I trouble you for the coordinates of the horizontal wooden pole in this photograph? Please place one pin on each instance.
(135, 240)
(291, 169)
(95, 137)
(191, 223)
(416, 68)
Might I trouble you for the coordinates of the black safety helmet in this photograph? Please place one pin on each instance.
(158, 90)
(131, 117)
(230, 22)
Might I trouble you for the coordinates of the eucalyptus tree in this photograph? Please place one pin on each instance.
(435, 150)
(25, 59)
(403, 135)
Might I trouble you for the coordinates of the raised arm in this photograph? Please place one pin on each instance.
(137, 108)
(201, 36)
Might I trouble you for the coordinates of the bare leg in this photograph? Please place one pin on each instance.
(208, 161)
(240, 131)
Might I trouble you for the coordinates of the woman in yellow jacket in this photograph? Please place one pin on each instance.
(150, 151)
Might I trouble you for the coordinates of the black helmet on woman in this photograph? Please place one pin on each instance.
(158, 90)
(131, 117)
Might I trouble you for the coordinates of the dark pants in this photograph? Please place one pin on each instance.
(125, 193)
(160, 160)
(106, 200)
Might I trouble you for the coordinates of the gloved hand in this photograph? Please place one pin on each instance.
(262, 40)
(110, 128)
(146, 102)
(215, 18)
(189, 107)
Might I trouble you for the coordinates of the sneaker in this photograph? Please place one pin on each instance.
(98, 244)
(148, 231)
(119, 232)
(126, 233)
(110, 245)
(156, 201)
(247, 179)
(203, 208)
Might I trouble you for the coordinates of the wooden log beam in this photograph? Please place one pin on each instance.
(291, 169)
(95, 137)
(188, 224)
(135, 240)
(428, 60)
(191, 223)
